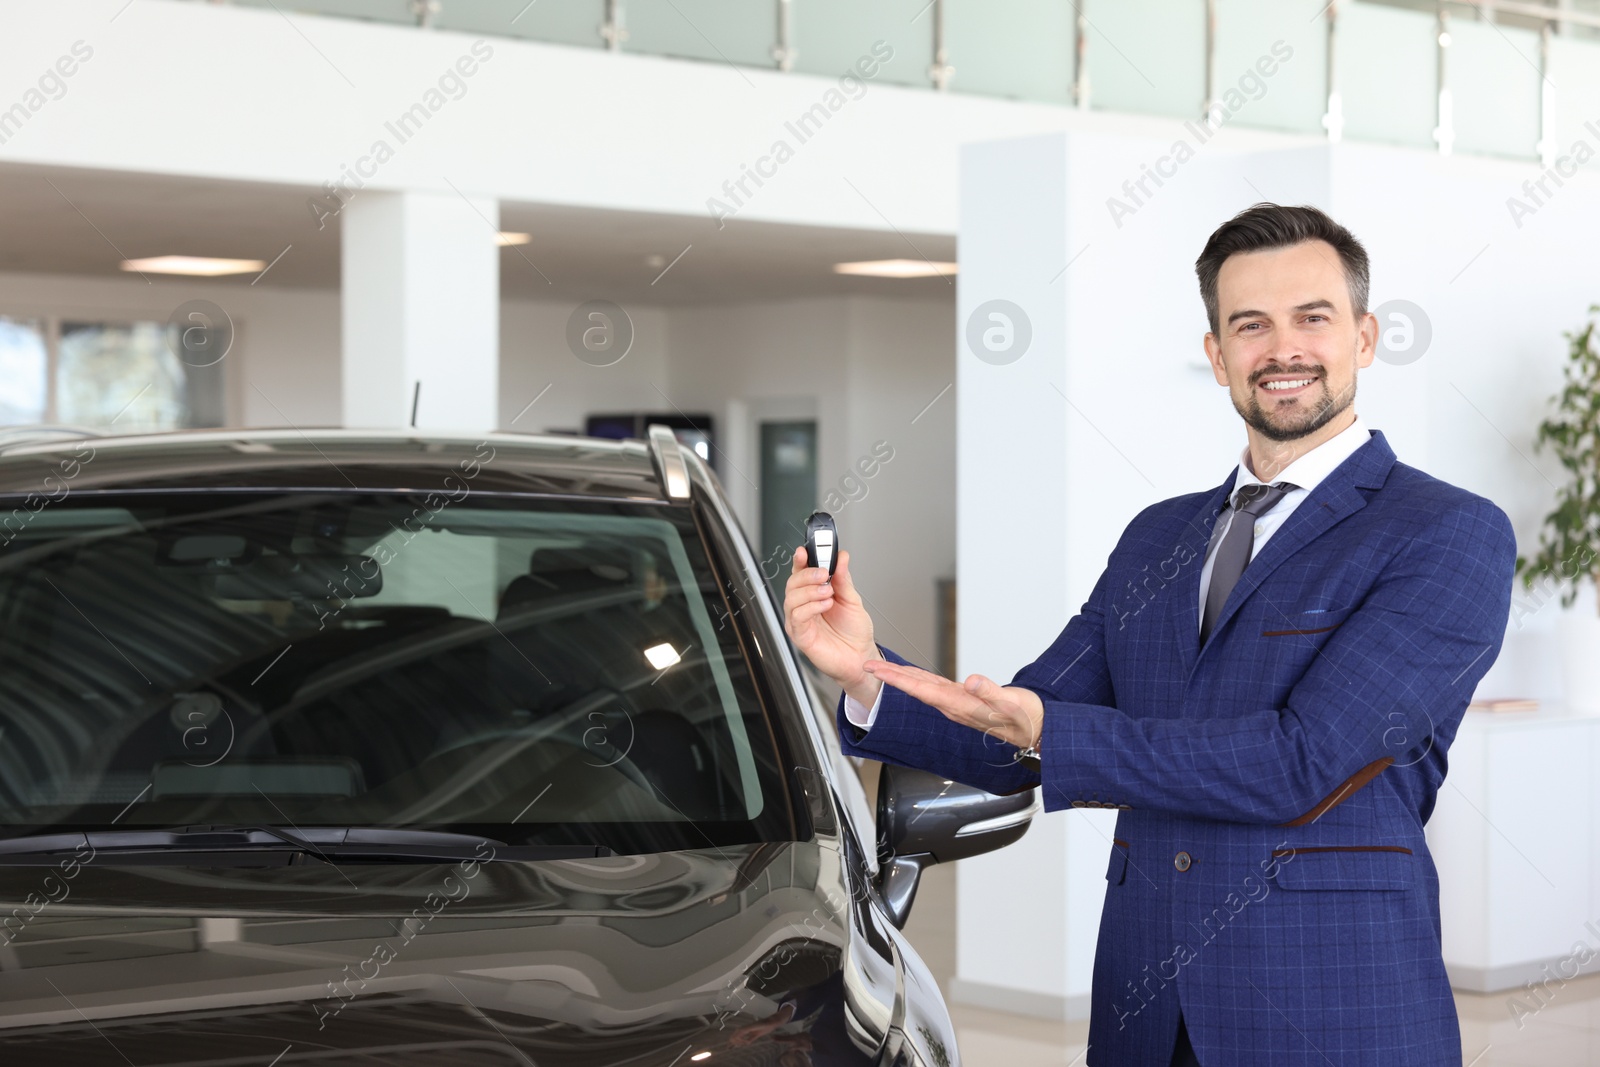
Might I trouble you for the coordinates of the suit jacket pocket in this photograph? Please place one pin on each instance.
(1305, 623)
(1345, 867)
(1117, 868)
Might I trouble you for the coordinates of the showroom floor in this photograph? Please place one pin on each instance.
(1566, 1032)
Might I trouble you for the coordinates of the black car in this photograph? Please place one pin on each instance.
(346, 747)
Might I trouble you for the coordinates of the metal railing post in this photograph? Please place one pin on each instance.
(614, 30)
(1547, 100)
(1333, 117)
(941, 71)
(784, 53)
(1444, 132)
(1212, 110)
(1080, 55)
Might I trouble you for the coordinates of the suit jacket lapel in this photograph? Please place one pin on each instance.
(1333, 499)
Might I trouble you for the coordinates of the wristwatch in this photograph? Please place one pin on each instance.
(1029, 757)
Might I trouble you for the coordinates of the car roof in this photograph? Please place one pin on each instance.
(326, 458)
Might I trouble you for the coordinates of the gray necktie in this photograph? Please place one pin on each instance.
(1250, 502)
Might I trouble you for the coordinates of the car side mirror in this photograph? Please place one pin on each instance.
(924, 819)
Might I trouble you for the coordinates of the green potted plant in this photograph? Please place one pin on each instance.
(1569, 543)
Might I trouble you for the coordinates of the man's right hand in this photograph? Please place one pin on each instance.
(828, 622)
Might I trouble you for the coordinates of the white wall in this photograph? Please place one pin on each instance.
(534, 355)
(901, 389)
(867, 367)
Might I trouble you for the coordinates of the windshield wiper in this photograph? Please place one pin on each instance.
(357, 843)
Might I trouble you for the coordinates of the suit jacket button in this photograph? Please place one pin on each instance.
(1080, 803)
(1182, 861)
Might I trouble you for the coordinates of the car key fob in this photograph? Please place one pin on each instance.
(822, 541)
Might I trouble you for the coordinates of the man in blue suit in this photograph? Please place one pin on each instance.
(1263, 682)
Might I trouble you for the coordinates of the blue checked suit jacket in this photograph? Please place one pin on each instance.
(1269, 873)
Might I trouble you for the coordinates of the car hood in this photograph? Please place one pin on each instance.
(753, 954)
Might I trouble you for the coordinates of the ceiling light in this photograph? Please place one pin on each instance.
(506, 237)
(204, 266)
(700, 1056)
(661, 656)
(896, 268)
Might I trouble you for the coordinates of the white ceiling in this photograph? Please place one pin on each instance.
(62, 221)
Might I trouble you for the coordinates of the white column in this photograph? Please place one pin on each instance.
(421, 303)
(1015, 915)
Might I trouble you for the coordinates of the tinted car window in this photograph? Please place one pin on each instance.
(540, 671)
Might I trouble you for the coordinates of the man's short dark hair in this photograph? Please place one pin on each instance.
(1265, 225)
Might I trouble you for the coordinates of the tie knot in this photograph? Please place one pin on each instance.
(1257, 498)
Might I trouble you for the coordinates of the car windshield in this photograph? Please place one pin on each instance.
(540, 671)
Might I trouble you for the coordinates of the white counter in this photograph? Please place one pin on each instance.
(1516, 836)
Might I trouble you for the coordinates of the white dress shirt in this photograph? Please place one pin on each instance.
(1305, 472)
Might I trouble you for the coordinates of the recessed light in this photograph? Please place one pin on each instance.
(506, 237)
(896, 268)
(204, 266)
(662, 656)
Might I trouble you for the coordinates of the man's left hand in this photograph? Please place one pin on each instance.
(1008, 712)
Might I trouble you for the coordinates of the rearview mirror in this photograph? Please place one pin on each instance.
(925, 819)
(207, 552)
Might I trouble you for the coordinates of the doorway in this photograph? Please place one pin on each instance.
(788, 492)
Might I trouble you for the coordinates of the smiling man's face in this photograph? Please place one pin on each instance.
(1289, 343)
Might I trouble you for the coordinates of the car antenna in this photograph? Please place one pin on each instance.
(416, 395)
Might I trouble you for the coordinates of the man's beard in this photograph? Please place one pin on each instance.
(1319, 415)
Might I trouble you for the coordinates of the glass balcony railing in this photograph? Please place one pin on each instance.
(1510, 79)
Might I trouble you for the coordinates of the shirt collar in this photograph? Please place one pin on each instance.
(1309, 469)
